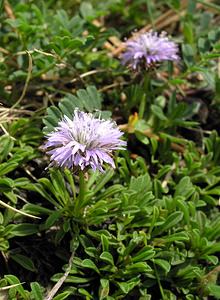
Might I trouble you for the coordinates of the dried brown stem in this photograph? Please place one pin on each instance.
(26, 82)
(9, 10)
(60, 282)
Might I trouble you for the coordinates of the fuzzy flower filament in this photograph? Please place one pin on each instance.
(84, 141)
(149, 48)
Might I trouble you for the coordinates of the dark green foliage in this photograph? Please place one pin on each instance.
(147, 232)
(88, 100)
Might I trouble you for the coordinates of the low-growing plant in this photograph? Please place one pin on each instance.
(101, 208)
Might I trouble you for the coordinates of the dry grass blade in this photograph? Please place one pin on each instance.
(18, 211)
(5, 113)
(30, 65)
(9, 10)
(9, 114)
(60, 282)
(4, 288)
(89, 73)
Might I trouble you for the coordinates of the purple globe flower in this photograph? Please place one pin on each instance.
(84, 141)
(148, 49)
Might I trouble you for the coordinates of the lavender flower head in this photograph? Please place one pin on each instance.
(84, 141)
(148, 49)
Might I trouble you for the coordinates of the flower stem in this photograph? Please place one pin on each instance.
(81, 195)
(142, 106)
(159, 283)
(144, 99)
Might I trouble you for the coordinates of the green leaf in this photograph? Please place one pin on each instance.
(157, 111)
(144, 254)
(126, 287)
(214, 290)
(183, 206)
(141, 184)
(21, 182)
(53, 217)
(188, 54)
(105, 243)
(1, 218)
(214, 191)
(63, 295)
(142, 137)
(175, 4)
(188, 32)
(102, 180)
(24, 229)
(91, 251)
(88, 99)
(71, 279)
(36, 209)
(19, 288)
(179, 236)
(85, 293)
(141, 267)
(184, 188)
(87, 10)
(110, 191)
(7, 167)
(88, 263)
(107, 257)
(37, 291)
(7, 144)
(203, 45)
(24, 261)
(104, 289)
(170, 222)
(209, 78)
(163, 264)
(6, 184)
(211, 259)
